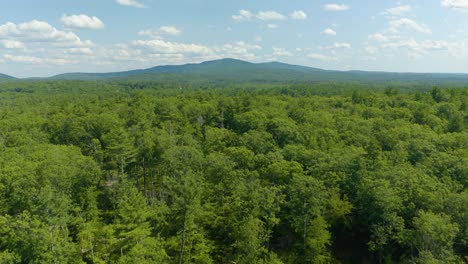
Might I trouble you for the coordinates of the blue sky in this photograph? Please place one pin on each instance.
(47, 37)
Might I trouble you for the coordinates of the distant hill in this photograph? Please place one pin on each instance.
(4, 77)
(232, 70)
(217, 69)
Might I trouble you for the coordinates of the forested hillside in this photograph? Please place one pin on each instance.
(102, 172)
(230, 71)
(4, 77)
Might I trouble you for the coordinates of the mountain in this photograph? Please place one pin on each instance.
(232, 70)
(218, 69)
(4, 77)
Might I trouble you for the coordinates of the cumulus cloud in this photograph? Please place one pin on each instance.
(299, 15)
(40, 32)
(157, 50)
(82, 22)
(37, 60)
(342, 45)
(270, 15)
(399, 10)
(150, 32)
(336, 7)
(329, 32)
(240, 49)
(161, 46)
(158, 47)
(262, 15)
(396, 25)
(133, 3)
(119, 52)
(161, 31)
(317, 56)
(170, 30)
(378, 37)
(243, 15)
(12, 44)
(79, 51)
(272, 26)
(419, 46)
(455, 4)
(281, 52)
(135, 54)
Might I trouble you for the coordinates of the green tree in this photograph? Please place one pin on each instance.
(433, 236)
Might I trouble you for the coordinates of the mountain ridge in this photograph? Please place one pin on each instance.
(235, 70)
(202, 67)
(6, 77)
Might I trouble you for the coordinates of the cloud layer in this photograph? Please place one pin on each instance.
(39, 31)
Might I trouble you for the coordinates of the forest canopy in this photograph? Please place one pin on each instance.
(128, 172)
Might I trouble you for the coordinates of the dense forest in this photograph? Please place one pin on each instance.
(127, 172)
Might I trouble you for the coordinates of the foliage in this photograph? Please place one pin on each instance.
(131, 172)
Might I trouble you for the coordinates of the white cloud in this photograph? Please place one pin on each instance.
(35, 26)
(395, 25)
(12, 44)
(246, 15)
(281, 52)
(378, 37)
(79, 51)
(82, 22)
(9, 29)
(151, 50)
(342, 45)
(329, 31)
(40, 32)
(371, 49)
(398, 11)
(272, 26)
(37, 60)
(243, 15)
(150, 32)
(23, 59)
(158, 33)
(419, 46)
(270, 15)
(455, 4)
(133, 3)
(119, 52)
(418, 49)
(170, 30)
(240, 49)
(46, 59)
(321, 57)
(166, 47)
(299, 15)
(336, 7)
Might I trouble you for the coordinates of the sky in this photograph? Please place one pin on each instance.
(48, 37)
